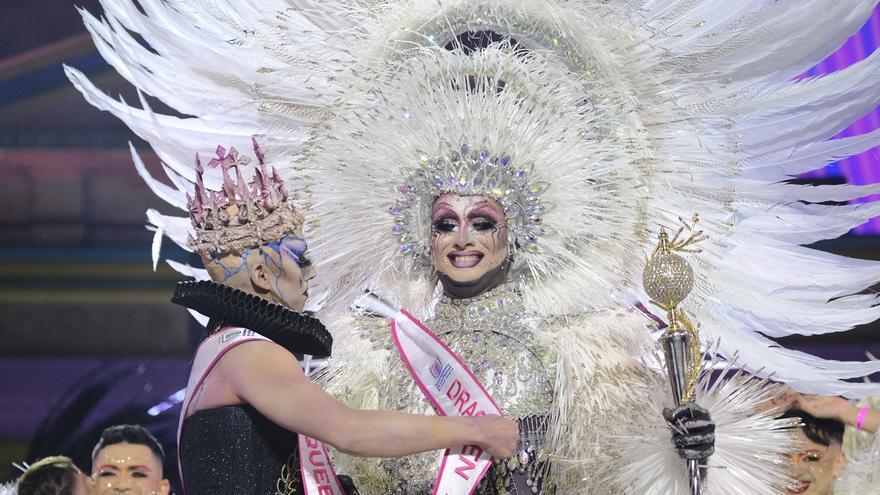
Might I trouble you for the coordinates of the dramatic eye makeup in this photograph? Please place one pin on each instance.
(444, 225)
(444, 219)
(812, 457)
(296, 248)
(483, 218)
(809, 456)
(482, 224)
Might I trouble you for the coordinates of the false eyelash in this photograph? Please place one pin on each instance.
(484, 224)
(444, 225)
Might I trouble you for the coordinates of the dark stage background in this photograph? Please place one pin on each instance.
(87, 333)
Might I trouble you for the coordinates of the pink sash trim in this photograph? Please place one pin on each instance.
(316, 468)
(425, 355)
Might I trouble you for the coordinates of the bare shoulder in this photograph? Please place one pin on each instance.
(257, 360)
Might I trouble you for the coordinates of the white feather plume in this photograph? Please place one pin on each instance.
(697, 99)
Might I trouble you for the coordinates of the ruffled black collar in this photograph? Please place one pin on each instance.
(227, 306)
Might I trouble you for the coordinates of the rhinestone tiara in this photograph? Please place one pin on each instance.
(470, 172)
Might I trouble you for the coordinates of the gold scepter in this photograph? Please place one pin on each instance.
(668, 279)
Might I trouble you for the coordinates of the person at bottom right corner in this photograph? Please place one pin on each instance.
(834, 461)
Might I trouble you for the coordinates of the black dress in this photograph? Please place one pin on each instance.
(235, 450)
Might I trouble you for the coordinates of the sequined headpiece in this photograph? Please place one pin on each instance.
(472, 172)
(241, 214)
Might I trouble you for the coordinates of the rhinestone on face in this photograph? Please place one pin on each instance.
(475, 173)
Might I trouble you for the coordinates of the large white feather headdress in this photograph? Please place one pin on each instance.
(515, 127)
(685, 107)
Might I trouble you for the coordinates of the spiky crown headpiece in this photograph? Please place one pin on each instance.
(241, 214)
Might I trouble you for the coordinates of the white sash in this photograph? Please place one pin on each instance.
(316, 468)
(317, 472)
(453, 390)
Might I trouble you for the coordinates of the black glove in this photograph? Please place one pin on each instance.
(693, 431)
(347, 485)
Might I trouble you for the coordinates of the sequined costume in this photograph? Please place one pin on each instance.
(592, 124)
(861, 475)
(505, 356)
(567, 379)
(588, 367)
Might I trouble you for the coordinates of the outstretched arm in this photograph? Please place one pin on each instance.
(269, 378)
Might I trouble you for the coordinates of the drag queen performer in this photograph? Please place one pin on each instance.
(468, 219)
(247, 397)
(584, 129)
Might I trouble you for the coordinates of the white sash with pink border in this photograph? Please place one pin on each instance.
(451, 388)
(316, 468)
(318, 475)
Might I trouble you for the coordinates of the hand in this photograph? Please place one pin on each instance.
(821, 406)
(693, 431)
(498, 436)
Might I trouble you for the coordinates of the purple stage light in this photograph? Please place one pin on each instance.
(864, 168)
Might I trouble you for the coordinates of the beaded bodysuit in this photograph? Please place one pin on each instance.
(494, 335)
(569, 432)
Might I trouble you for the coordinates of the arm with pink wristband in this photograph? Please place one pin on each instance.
(866, 419)
(860, 418)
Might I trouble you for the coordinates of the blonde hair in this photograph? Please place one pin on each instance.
(55, 475)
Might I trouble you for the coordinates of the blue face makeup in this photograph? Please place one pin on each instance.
(229, 272)
(294, 247)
